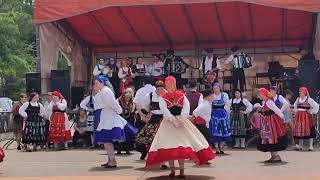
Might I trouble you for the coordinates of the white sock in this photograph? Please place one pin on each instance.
(237, 142)
(311, 143)
(301, 143)
(243, 140)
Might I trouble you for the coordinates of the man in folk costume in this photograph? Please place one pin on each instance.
(111, 127)
(304, 125)
(193, 96)
(273, 130)
(177, 138)
(98, 70)
(59, 126)
(239, 108)
(175, 66)
(210, 66)
(154, 116)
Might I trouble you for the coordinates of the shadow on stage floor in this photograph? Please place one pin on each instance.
(283, 163)
(194, 177)
(110, 169)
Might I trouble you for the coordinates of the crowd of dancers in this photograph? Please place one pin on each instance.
(166, 123)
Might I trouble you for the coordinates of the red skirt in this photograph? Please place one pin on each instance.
(304, 126)
(273, 134)
(58, 131)
(1, 155)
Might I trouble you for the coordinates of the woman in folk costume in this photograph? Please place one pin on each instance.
(34, 131)
(111, 127)
(239, 107)
(59, 123)
(128, 109)
(126, 76)
(304, 125)
(177, 138)
(219, 124)
(273, 129)
(154, 116)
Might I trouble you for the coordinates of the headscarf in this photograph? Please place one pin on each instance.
(105, 81)
(304, 90)
(170, 84)
(129, 92)
(216, 85)
(58, 94)
(265, 92)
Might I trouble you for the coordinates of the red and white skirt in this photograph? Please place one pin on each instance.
(59, 130)
(304, 126)
(184, 142)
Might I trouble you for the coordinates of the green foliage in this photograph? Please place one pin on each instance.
(62, 62)
(17, 45)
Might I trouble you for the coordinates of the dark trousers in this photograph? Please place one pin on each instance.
(238, 77)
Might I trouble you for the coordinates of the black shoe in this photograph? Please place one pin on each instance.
(109, 166)
(208, 163)
(128, 152)
(19, 148)
(118, 152)
(172, 174)
(218, 152)
(221, 152)
(182, 176)
(164, 166)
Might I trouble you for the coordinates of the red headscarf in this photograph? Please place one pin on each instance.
(265, 92)
(304, 90)
(170, 83)
(58, 94)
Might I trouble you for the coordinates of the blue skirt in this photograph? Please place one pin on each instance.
(116, 134)
(219, 126)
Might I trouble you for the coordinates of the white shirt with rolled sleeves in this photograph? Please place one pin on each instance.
(141, 93)
(208, 64)
(84, 103)
(314, 105)
(245, 101)
(146, 103)
(156, 69)
(283, 101)
(110, 110)
(22, 109)
(271, 105)
(204, 110)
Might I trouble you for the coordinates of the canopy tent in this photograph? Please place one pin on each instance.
(150, 25)
(153, 25)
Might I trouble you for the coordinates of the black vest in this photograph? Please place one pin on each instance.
(214, 64)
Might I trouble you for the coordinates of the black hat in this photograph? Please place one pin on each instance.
(170, 52)
(192, 84)
(207, 92)
(209, 50)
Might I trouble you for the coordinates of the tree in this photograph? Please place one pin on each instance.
(17, 45)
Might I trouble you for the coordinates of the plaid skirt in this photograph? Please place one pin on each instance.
(304, 126)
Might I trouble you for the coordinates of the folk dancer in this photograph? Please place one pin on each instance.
(304, 126)
(279, 100)
(177, 138)
(273, 129)
(194, 97)
(98, 70)
(239, 108)
(219, 123)
(125, 75)
(34, 131)
(59, 127)
(111, 126)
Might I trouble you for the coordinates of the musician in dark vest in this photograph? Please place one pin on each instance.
(140, 71)
(193, 96)
(239, 61)
(175, 66)
(210, 66)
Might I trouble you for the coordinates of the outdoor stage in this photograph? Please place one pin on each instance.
(85, 164)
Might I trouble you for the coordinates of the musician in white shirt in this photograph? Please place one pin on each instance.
(156, 69)
(210, 63)
(238, 60)
(98, 70)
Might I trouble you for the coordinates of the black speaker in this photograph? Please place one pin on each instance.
(77, 94)
(308, 75)
(33, 82)
(60, 81)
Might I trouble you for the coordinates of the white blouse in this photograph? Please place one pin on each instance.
(314, 105)
(204, 110)
(146, 103)
(84, 103)
(166, 112)
(62, 105)
(106, 99)
(123, 72)
(271, 105)
(98, 69)
(237, 101)
(22, 109)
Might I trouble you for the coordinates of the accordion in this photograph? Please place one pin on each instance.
(209, 78)
(177, 67)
